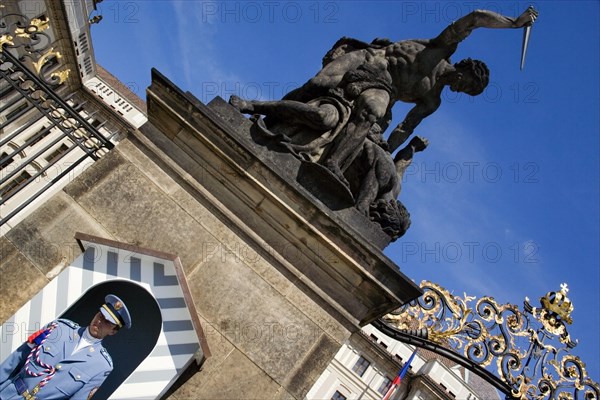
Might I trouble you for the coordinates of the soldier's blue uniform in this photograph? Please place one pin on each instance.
(74, 376)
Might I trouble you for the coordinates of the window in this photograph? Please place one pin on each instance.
(385, 385)
(83, 42)
(57, 153)
(5, 91)
(14, 184)
(87, 63)
(338, 396)
(5, 162)
(16, 112)
(39, 135)
(361, 366)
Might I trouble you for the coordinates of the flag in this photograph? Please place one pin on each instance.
(399, 377)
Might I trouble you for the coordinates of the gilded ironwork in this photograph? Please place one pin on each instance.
(529, 349)
(61, 76)
(44, 58)
(30, 72)
(30, 42)
(6, 39)
(35, 25)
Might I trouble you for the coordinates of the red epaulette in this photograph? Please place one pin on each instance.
(31, 338)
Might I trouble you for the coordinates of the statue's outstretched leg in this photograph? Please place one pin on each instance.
(322, 118)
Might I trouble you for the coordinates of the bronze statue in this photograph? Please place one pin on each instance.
(329, 118)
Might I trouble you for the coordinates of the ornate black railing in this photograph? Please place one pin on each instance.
(530, 348)
(28, 66)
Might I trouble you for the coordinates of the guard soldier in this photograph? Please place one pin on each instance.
(64, 360)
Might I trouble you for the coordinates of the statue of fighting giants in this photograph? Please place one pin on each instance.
(337, 118)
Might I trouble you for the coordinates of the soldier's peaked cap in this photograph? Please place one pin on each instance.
(115, 311)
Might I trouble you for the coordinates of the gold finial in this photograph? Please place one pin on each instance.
(559, 304)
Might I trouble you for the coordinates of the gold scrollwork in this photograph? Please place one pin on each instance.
(5, 39)
(44, 59)
(531, 347)
(62, 76)
(35, 44)
(35, 25)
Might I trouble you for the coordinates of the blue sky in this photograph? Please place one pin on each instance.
(504, 201)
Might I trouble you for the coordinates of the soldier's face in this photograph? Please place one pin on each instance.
(100, 327)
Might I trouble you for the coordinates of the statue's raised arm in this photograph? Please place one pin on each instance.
(462, 28)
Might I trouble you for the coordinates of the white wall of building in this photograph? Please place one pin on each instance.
(339, 375)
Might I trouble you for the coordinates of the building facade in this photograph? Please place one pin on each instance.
(366, 365)
(60, 112)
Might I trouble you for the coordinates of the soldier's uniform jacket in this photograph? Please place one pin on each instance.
(76, 375)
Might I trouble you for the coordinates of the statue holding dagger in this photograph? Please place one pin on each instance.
(336, 116)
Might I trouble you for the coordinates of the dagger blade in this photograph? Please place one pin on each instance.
(526, 33)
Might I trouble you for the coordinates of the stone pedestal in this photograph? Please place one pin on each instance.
(278, 279)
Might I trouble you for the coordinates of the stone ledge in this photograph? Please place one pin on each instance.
(322, 249)
(292, 170)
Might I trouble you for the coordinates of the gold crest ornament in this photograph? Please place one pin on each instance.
(118, 305)
(530, 346)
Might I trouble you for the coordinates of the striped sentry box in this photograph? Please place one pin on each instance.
(181, 340)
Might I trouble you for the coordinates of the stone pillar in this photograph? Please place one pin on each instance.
(284, 279)
(279, 281)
